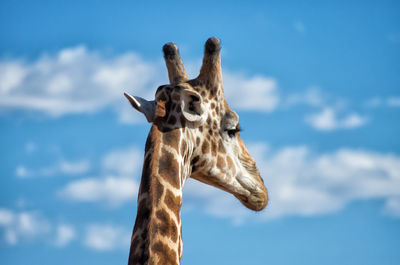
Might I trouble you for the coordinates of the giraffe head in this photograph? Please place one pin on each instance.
(212, 150)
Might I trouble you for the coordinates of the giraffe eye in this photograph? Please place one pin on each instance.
(232, 132)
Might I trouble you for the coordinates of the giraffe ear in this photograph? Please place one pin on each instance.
(144, 106)
(192, 106)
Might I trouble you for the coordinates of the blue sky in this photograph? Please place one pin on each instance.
(316, 85)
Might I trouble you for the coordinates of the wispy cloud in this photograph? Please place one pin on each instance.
(27, 226)
(117, 184)
(305, 183)
(61, 167)
(328, 113)
(392, 206)
(107, 237)
(22, 226)
(311, 97)
(64, 235)
(111, 190)
(392, 102)
(251, 93)
(123, 162)
(327, 120)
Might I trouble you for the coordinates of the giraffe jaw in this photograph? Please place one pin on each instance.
(251, 194)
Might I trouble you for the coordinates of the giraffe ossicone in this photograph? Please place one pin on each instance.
(194, 134)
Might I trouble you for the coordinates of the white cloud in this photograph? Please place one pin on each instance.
(72, 168)
(22, 226)
(352, 120)
(11, 75)
(112, 190)
(107, 237)
(123, 162)
(327, 120)
(61, 167)
(22, 172)
(64, 235)
(324, 120)
(77, 80)
(392, 206)
(251, 93)
(393, 101)
(6, 217)
(117, 182)
(333, 113)
(301, 182)
(312, 97)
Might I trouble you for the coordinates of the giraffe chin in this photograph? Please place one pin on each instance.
(252, 192)
(256, 201)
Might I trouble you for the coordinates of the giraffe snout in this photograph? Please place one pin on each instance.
(256, 200)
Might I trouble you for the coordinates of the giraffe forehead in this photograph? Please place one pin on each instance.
(170, 92)
(164, 92)
(213, 98)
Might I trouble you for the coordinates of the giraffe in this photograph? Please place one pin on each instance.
(194, 134)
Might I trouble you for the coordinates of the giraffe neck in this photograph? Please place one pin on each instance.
(156, 237)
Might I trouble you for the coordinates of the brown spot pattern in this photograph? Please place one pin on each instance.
(167, 256)
(166, 226)
(168, 169)
(214, 148)
(221, 148)
(171, 139)
(173, 203)
(205, 147)
(145, 182)
(159, 189)
(221, 162)
(231, 165)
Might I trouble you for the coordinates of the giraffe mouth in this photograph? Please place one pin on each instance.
(252, 194)
(256, 197)
(254, 201)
